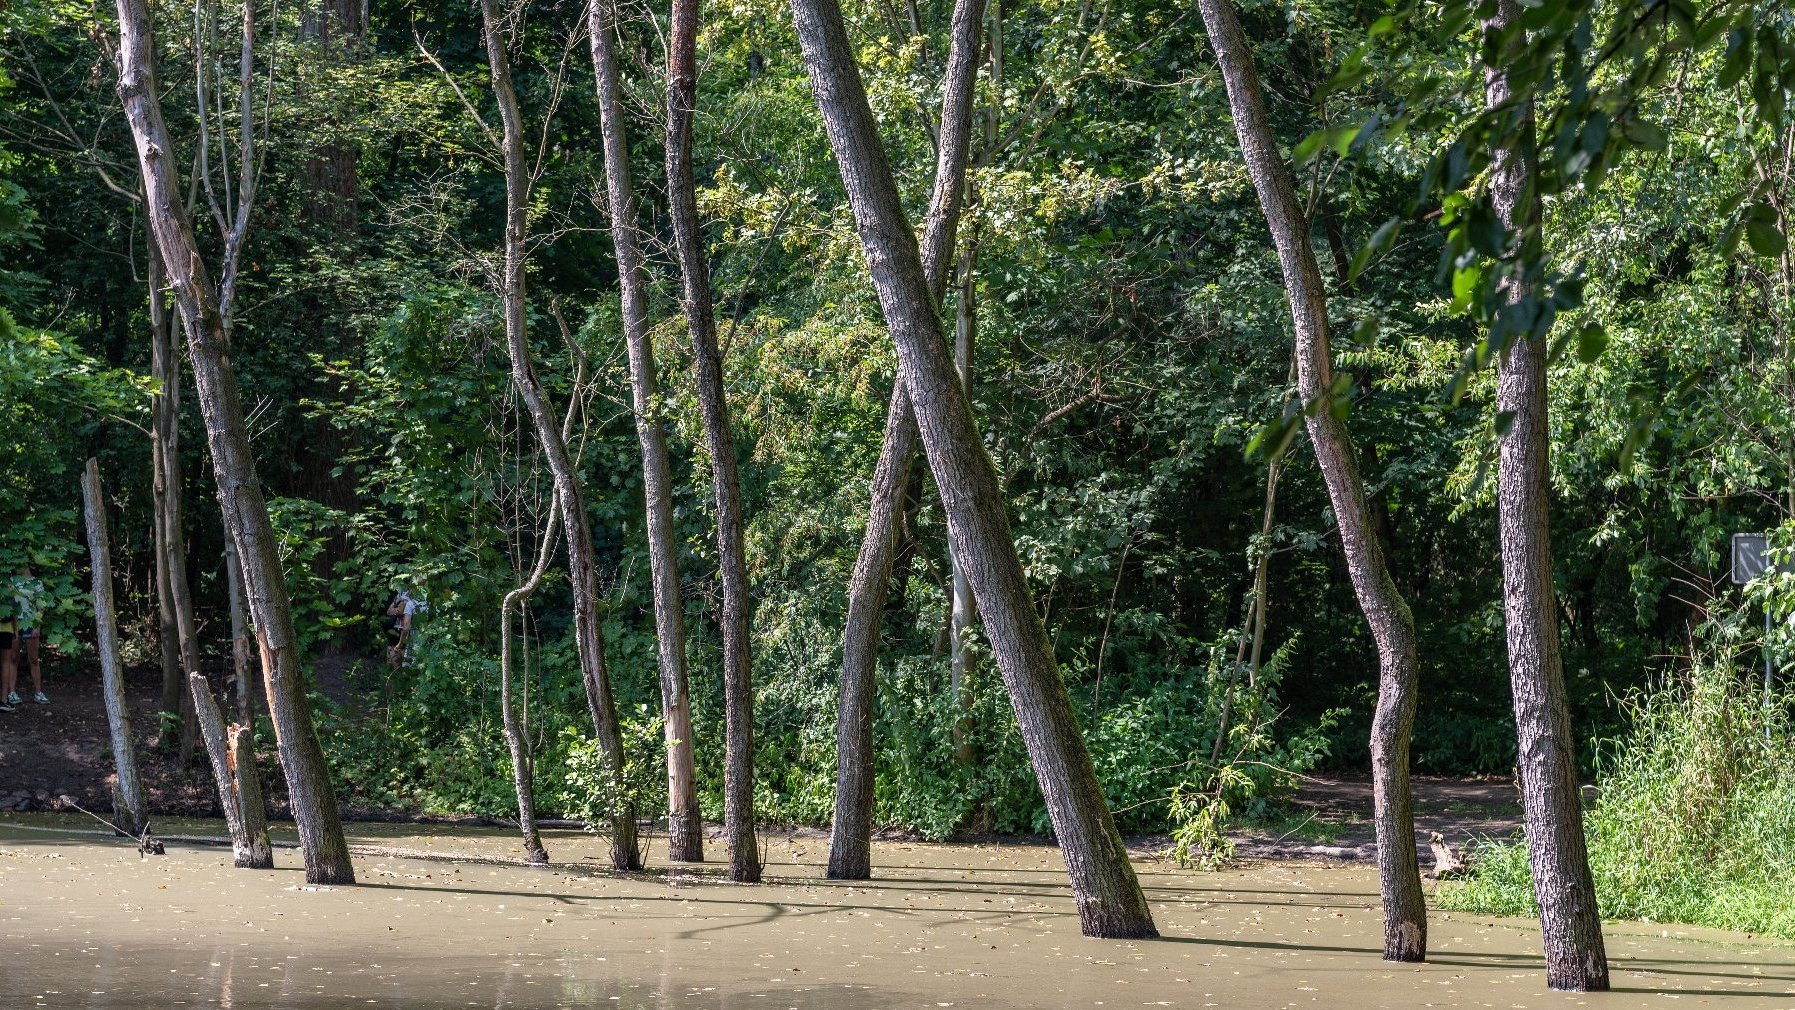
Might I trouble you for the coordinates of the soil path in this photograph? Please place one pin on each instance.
(63, 749)
(1331, 817)
(88, 923)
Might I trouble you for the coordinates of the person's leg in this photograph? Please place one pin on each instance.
(35, 664)
(9, 670)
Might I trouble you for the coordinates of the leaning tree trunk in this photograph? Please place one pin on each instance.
(719, 442)
(240, 498)
(1109, 898)
(250, 848)
(1392, 625)
(1576, 957)
(582, 562)
(132, 814)
(850, 840)
(685, 822)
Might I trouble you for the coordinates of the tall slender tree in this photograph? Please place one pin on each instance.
(180, 644)
(719, 443)
(1576, 957)
(850, 841)
(1109, 898)
(685, 822)
(582, 561)
(245, 511)
(1392, 625)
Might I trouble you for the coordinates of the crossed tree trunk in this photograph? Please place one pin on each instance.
(850, 842)
(1109, 898)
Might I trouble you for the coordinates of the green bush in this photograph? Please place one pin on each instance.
(1696, 817)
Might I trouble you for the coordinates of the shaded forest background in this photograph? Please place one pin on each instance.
(1133, 338)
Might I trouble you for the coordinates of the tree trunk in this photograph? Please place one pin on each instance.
(582, 563)
(223, 749)
(249, 795)
(1109, 898)
(685, 822)
(162, 413)
(523, 766)
(1576, 958)
(239, 490)
(963, 609)
(850, 840)
(1252, 626)
(719, 441)
(132, 814)
(242, 659)
(180, 645)
(1392, 625)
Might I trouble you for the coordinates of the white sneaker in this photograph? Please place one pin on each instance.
(14, 699)
(41, 698)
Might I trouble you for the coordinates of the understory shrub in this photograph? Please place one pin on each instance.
(1695, 820)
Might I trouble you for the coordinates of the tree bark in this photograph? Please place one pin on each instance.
(1109, 898)
(180, 645)
(239, 490)
(1392, 625)
(246, 850)
(719, 441)
(1576, 958)
(685, 822)
(963, 611)
(850, 840)
(249, 795)
(582, 562)
(242, 659)
(132, 814)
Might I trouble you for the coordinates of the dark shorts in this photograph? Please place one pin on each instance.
(28, 633)
(5, 640)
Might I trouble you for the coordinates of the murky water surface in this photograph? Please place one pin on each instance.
(86, 922)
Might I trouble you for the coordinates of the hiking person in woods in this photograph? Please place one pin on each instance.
(404, 607)
(27, 597)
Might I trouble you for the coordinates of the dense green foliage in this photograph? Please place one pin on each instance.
(1695, 821)
(1133, 342)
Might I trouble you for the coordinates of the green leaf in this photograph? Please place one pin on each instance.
(1592, 340)
(1766, 238)
(1644, 135)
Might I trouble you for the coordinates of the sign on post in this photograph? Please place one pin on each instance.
(1751, 557)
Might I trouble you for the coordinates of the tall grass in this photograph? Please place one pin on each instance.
(1695, 820)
